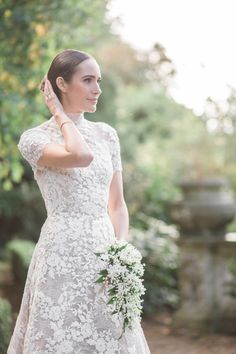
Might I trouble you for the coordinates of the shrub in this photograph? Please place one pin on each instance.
(22, 200)
(5, 324)
(20, 253)
(160, 255)
(231, 285)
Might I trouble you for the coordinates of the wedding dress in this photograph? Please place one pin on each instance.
(63, 310)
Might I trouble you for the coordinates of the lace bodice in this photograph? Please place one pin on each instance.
(64, 189)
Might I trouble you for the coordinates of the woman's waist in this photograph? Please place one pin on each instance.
(78, 213)
(63, 227)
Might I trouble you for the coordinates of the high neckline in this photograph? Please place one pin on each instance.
(76, 117)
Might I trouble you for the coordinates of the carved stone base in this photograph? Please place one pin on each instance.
(204, 279)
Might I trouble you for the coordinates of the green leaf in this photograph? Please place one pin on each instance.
(103, 272)
(112, 291)
(122, 247)
(100, 279)
(98, 253)
(111, 301)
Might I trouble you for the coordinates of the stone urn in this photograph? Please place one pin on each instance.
(206, 208)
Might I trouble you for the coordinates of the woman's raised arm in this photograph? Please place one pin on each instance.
(75, 152)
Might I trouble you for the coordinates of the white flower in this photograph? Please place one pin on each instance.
(130, 255)
(123, 283)
(116, 270)
(104, 257)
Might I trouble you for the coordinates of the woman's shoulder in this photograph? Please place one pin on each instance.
(45, 128)
(105, 128)
(108, 132)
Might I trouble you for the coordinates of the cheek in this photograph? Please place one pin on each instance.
(79, 90)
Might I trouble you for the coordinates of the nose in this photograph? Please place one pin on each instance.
(97, 89)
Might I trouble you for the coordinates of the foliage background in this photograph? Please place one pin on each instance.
(161, 140)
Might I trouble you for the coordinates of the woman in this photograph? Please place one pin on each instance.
(77, 165)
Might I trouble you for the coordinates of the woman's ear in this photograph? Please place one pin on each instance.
(61, 84)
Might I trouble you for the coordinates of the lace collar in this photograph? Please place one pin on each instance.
(78, 119)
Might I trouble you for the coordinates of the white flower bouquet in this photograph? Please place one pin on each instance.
(122, 277)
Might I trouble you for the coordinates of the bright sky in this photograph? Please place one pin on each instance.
(199, 36)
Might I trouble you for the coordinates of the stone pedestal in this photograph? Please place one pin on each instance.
(206, 208)
(202, 215)
(203, 283)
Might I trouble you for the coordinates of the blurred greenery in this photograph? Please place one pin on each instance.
(161, 140)
(5, 324)
(21, 252)
(231, 284)
(220, 117)
(160, 255)
(22, 212)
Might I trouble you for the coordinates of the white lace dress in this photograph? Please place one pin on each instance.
(62, 310)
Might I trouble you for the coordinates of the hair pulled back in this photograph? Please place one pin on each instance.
(65, 65)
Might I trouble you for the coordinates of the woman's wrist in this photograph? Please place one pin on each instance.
(65, 122)
(61, 117)
(59, 114)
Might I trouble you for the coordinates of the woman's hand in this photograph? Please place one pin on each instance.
(50, 98)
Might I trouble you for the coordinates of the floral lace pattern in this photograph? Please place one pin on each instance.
(63, 310)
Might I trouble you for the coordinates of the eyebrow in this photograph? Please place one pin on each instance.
(91, 76)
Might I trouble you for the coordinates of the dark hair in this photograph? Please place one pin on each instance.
(65, 65)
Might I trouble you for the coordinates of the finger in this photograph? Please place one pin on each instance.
(46, 89)
(41, 86)
(51, 91)
(49, 86)
(49, 94)
(42, 83)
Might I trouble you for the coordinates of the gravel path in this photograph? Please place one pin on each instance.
(163, 339)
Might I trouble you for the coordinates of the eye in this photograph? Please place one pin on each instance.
(88, 79)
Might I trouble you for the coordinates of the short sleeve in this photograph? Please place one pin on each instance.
(31, 145)
(115, 151)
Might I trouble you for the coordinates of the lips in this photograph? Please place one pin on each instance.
(93, 100)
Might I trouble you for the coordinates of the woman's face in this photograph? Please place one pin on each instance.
(82, 92)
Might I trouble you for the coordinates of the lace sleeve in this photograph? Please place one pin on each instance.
(31, 145)
(115, 151)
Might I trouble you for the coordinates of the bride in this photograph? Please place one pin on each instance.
(77, 166)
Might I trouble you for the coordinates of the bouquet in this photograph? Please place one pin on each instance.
(122, 276)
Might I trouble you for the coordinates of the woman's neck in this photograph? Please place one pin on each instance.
(76, 117)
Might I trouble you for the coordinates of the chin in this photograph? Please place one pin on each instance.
(91, 110)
